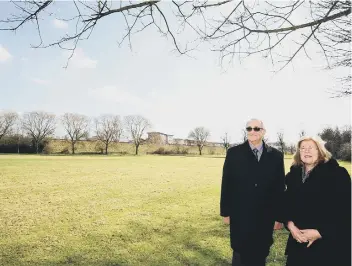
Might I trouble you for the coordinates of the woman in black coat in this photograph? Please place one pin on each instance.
(317, 208)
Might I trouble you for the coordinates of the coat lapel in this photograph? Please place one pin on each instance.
(266, 152)
(249, 153)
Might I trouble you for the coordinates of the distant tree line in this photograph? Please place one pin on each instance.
(29, 132)
(337, 141)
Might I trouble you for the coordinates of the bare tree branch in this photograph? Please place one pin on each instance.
(136, 126)
(108, 129)
(31, 15)
(200, 136)
(103, 14)
(281, 142)
(225, 141)
(302, 133)
(76, 127)
(307, 39)
(246, 29)
(38, 125)
(211, 5)
(7, 121)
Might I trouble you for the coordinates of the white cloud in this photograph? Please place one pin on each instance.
(80, 60)
(40, 81)
(60, 24)
(4, 54)
(115, 95)
(24, 59)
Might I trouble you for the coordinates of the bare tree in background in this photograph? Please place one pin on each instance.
(7, 121)
(292, 148)
(244, 135)
(236, 29)
(108, 128)
(18, 134)
(136, 126)
(225, 141)
(281, 142)
(302, 133)
(38, 125)
(200, 136)
(76, 127)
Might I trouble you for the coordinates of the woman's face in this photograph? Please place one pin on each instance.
(309, 152)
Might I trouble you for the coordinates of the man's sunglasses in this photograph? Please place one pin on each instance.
(256, 129)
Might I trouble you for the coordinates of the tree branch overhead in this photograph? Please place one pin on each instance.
(233, 28)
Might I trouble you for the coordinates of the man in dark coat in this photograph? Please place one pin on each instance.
(253, 182)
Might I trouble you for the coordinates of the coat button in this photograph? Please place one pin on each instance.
(255, 185)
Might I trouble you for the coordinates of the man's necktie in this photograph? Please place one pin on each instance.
(255, 151)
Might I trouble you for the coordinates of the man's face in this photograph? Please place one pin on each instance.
(255, 132)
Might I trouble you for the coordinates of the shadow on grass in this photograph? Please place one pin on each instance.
(142, 242)
(139, 243)
(183, 246)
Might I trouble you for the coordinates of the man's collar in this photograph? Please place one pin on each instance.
(258, 147)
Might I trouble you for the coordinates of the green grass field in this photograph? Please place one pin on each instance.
(115, 210)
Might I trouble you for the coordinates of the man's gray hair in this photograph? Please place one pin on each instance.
(255, 119)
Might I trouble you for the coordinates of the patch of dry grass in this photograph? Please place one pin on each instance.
(107, 210)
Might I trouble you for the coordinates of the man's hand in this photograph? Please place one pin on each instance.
(296, 233)
(278, 226)
(311, 235)
(227, 220)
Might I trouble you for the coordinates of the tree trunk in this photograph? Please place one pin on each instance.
(200, 150)
(37, 146)
(106, 148)
(137, 146)
(73, 147)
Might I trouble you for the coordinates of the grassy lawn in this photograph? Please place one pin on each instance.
(145, 210)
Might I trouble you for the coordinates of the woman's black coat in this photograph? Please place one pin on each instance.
(322, 202)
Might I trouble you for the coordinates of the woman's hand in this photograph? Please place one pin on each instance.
(311, 235)
(296, 233)
(227, 220)
(278, 226)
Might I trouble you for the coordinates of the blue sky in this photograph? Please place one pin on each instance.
(176, 93)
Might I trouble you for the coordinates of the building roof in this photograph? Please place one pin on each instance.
(155, 132)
